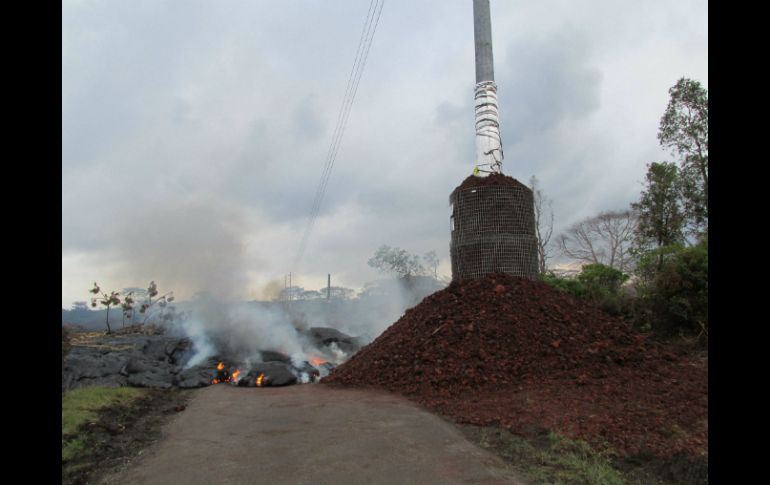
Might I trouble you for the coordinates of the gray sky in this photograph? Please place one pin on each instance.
(194, 133)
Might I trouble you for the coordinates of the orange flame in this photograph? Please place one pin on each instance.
(316, 361)
(234, 376)
(260, 379)
(220, 366)
(215, 381)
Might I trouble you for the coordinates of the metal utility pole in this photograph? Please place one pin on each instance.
(328, 286)
(482, 33)
(493, 226)
(489, 146)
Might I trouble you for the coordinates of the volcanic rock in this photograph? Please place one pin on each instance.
(273, 356)
(194, 377)
(513, 352)
(161, 380)
(326, 336)
(275, 374)
(136, 365)
(487, 332)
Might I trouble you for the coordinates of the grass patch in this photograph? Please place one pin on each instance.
(105, 428)
(79, 407)
(549, 458)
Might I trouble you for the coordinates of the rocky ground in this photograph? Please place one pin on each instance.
(146, 357)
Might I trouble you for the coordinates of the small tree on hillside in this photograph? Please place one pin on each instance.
(106, 300)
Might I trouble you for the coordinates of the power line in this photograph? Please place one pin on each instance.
(354, 79)
(367, 35)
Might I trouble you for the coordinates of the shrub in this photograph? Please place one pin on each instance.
(597, 284)
(568, 285)
(602, 286)
(674, 289)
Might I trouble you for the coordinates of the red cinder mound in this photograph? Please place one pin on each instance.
(490, 332)
(515, 352)
(492, 179)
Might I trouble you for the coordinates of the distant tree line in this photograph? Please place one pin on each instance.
(648, 262)
(410, 274)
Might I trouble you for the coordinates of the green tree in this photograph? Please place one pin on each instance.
(601, 285)
(673, 284)
(659, 209)
(684, 130)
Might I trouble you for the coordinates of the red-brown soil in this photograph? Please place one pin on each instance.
(519, 354)
(492, 179)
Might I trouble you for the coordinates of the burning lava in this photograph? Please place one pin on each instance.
(224, 376)
(272, 373)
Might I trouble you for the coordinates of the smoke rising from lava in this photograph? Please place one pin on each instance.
(199, 246)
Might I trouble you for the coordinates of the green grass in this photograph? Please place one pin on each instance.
(553, 460)
(80, 406)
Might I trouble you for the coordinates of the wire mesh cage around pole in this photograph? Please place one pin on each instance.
(493, 231)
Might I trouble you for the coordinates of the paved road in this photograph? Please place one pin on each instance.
(311, 434)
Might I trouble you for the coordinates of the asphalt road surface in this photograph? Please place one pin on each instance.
(311, 434)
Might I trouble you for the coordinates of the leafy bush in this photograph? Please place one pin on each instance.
(568, 285)
(602, 286)
(674, 289)
(597, 284)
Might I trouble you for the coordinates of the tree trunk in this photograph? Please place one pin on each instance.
(109, 330)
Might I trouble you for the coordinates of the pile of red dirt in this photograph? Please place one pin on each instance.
(517, 353)
(473, 181)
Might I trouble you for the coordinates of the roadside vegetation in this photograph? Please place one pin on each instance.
(649, 263)
(548, 457)
(79, 411)
(102, 427)
(544, 457)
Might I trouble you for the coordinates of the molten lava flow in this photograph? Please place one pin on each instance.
(260, 380)
(234, 377)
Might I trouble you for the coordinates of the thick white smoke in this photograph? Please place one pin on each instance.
(198, 246)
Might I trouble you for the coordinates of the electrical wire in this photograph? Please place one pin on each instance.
(354, 79)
